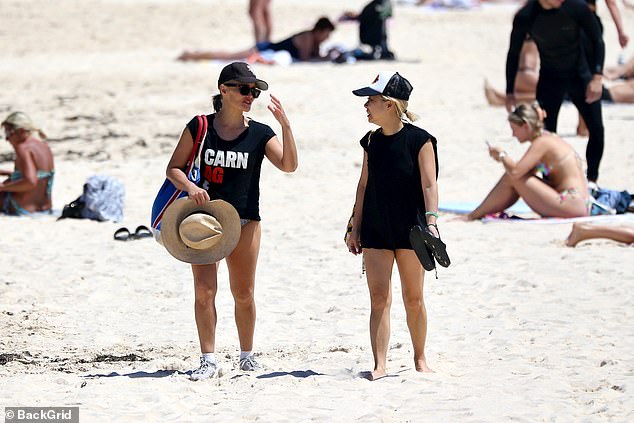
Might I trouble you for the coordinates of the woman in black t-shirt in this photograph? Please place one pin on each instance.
(397, 184)
(232, 154)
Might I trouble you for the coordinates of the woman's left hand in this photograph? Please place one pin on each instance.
(278, 111)
(494, 152)
(433, 229)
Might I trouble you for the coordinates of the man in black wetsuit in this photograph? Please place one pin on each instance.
(557, 27)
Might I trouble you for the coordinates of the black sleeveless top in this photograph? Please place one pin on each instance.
(230, 169)
(393, 194)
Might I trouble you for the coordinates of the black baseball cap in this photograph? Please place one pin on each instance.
(240, 72)
(390, 84)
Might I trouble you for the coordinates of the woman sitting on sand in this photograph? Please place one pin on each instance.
(28, 187)
(561, 191)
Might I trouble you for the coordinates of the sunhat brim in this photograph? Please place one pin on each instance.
(224, 213)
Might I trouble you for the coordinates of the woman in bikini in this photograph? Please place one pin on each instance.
(561, 191)
(28, 187)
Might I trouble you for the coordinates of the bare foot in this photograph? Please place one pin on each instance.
(582, 129)
(375, 374)
(421, 366)
(574, 237)
(257, 58)
(185, 56)
(459, 218)
(493, 98)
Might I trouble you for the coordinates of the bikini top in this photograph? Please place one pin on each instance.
(40, 174)
(546, 170)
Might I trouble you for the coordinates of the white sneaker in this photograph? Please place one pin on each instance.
(248, 364)
(206, 370)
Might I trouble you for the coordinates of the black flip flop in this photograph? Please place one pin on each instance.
(437, 247)
(122, 234)
(423, 253)
(142, 231)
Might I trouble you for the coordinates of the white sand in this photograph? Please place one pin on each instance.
(520, 327)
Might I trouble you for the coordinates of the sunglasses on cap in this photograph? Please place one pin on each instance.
(246, 90)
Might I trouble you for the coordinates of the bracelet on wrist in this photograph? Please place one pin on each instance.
(502, 155)
(429, 213)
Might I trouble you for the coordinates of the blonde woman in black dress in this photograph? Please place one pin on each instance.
(397, 185)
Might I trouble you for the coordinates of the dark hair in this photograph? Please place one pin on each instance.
(217, 102)
(324, 23)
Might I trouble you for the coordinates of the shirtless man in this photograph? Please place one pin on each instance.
(303, 46)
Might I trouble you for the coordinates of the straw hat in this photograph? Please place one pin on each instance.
(200, 234)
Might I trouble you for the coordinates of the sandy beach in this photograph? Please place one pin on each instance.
(521, 327)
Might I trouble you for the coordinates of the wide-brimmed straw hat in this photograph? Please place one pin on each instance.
(200, 234)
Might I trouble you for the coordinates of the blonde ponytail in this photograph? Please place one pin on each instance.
(401, 109)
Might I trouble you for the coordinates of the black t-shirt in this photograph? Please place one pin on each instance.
(558, 35)
(230, 169)
(393, 194)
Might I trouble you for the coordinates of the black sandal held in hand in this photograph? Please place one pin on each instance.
(437, 247)
(423, 253)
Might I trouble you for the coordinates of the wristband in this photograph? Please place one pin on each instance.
(431, 214)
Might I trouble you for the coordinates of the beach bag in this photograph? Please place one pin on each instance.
(615, 200)
(168, 193)
(73, 209)
(103, 199)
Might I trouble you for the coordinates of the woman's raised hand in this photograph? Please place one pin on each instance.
(278, 111)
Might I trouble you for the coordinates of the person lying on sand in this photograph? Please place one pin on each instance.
(302, 47)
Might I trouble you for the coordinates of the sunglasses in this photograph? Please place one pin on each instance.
(246, 90)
